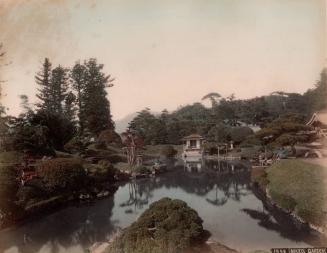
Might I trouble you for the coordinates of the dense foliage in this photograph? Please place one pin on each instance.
(62, 174)
(72, 104)
(88, 82)
(229, 118)
(168, 226)
(109, 137)
(41, 132)
(8, 191)
(285, 130)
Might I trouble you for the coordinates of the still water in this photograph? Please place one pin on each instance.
(221, 194)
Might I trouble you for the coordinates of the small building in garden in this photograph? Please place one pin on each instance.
(193, 145)
(319, 122)
(318, 148)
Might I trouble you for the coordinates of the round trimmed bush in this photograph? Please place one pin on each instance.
(168, 226)
(62, 173)
(109, 137)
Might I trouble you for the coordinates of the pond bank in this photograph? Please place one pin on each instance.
(224, 200)
(56, 202)
(209, 247)
(294, 189)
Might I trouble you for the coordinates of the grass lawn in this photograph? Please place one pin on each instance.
(299, 186)
(156, 150)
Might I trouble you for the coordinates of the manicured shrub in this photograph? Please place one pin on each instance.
(109, 137)
(168, 226)
(103, 171)
(62, 174)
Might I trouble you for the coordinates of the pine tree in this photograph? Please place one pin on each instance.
(43, 78)
(58, 88)
(69, 107)
(78, 76)
(96, 107)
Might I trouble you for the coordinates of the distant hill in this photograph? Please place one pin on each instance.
(122, 123)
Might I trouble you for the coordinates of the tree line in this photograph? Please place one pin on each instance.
(72, 102)
(83, 89)
(230, 119)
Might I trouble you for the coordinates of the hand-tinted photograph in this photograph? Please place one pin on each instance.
(163, 126)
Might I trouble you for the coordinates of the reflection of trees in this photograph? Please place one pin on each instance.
(277, 220)
(232, 180)
(233, 183)
(217, 201)
(139, 195)
(227, 184)
(85, 225)
(287, 230)
(82, 225)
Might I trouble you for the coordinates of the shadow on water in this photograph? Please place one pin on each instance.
(80, 225)
(275, 219)
(220, 187)
(228, 181)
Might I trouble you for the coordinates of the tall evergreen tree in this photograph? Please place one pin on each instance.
(58, 88)
(69, 107)
(96, 107)
(78, 77)
(43, 78)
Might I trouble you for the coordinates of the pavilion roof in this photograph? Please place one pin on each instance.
(193, 137)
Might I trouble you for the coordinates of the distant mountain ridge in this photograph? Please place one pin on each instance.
(122, 124)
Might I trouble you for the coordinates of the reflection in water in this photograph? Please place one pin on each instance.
(220, 192)
(218, 201)
(83, 226)
(139, 195)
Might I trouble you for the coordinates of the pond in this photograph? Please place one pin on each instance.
(220, 193)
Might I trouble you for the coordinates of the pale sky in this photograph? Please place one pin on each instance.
(167, 53)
